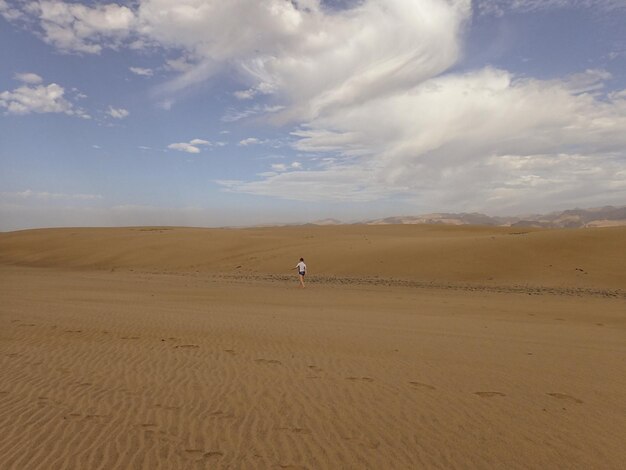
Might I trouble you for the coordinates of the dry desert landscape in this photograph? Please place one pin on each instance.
(411, 347)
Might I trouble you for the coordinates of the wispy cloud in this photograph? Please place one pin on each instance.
(500, 7)
(30, 78)
(192, 146)
(280, 167)
(249, 141)
(144, 72)
(47, 196)
(117, 113)
(234, 115)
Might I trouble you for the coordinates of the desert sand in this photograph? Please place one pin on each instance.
(411, 347)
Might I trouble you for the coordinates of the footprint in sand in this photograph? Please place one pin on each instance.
(490, 394)
(422, 385)
(296, 430)
(300, 431)
(267, 361)
(360, 379)
(363, 442)
(167, 407)
(563, 396)
(371, 444)
(200, 454)
(221, 414)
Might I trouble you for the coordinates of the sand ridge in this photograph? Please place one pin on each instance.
(590, 258)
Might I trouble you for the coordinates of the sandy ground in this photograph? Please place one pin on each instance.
(144, 356)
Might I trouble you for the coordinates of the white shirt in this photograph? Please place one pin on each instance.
(301, 267)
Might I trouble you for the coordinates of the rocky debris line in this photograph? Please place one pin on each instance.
(392, 282)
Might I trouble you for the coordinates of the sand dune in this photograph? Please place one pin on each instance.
(150, 348)
(486, 255)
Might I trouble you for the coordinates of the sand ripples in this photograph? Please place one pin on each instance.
(159, 374)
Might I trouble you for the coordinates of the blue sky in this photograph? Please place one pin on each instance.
(211, 113)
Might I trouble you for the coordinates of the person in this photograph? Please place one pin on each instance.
(301, 267)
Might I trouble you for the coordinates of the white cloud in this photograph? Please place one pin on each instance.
(184, 147)
(249, 141)
(144, 72)
(38, 99)
(9, 13)
(181, 64)
(364, 87)
(616, 95)
(74, 27)
(487, 139)
(233, 115)
(308, 57)
(274, 143)
(280, 167)
(30, 78)
(245, 94)
(587, 81)
(192, 146)
(117, 113)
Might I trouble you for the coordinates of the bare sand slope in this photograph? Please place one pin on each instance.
(185, 348)
(103, 370)
(594, 258)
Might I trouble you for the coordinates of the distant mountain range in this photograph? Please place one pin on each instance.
(575, 218)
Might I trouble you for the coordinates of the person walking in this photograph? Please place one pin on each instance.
(301, 267)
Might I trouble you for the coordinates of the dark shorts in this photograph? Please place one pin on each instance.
(302, 273)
